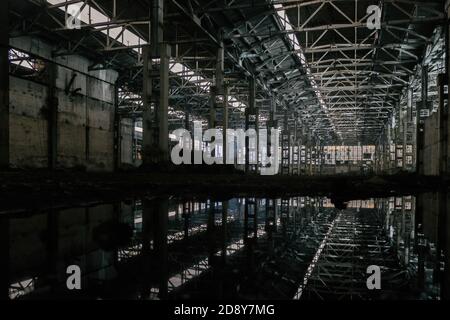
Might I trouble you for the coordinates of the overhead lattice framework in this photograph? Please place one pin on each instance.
(339, 80)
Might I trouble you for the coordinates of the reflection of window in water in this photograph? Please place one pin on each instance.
(21, 288)
(408, 205)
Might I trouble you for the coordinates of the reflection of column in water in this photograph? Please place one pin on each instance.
(270, 226)
(441, 271)
(186, 217)
(177, 212)
(161, 207)
(154, 229)
(146, 246)
(295, 209)
(403, 223)
(284, 214)
(409, 226)
(250, 220)
(117, 209)
(4, 257)
(445, 226)
(420, 241)
(52, 246)
(272, 215)
(412, 215)
(224, 229)
(211, 231)
(146, 225)
(308, 209)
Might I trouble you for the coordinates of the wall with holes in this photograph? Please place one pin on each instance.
(28, 124)
(85, 113)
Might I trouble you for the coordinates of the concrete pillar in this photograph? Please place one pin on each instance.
(308, 160)
(443, 126)
(310, 157)
(299, 148)
(271, 124)
(188, 127)
(212, 109)
(378, 156)
(321, 157)
(420, 134)
(220, 67)
(251, 121)
(147, 115)
(225, 125)
(155, 118)
(407, 133)
(157, 26)
(285, 146)
(117, 130)
(411, 129)
(222, 91)
(155, 115)
(187, 123)
(386, 150)
(404, 125)
(216, 91)
(335, 159)
(163, 110)
(4, 85)
(52, 118)
(294, 149)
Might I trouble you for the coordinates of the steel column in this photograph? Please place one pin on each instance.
(52, 118)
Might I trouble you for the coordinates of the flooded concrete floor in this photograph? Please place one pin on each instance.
(241, 248)
(35, 190)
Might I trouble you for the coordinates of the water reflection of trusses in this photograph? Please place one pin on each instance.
(355, 240)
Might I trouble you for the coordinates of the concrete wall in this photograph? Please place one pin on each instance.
(28, 124)
(85, 115)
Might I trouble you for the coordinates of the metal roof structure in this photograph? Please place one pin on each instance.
(322, 62)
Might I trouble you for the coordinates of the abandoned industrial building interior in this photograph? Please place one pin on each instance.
(186, 150)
